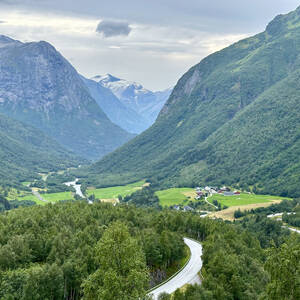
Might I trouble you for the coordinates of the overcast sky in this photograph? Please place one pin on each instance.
(153, 42)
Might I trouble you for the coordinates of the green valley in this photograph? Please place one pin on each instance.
(231, 119)
(204, 204)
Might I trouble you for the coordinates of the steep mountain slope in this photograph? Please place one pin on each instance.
(135, 97)
(25, 151)
(233, 119)
(39, 87)
(116, 111)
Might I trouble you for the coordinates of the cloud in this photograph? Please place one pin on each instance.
(2, 22)
(113, 28)
(165, 38)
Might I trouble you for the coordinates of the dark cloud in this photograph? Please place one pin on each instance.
(113, 28)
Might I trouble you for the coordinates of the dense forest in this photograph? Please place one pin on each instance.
(76, 250)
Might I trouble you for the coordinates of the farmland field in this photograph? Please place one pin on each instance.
(176, 196)
(55, 197)
(244, 199)
(30, 197)
(228, 213)
(115, 191)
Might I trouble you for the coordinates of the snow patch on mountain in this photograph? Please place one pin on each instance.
(134, 96)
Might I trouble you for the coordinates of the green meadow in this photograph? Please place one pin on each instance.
(244, 199)
(176, 196)
(55, 197)
(114, 192)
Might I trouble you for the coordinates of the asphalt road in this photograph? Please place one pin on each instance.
(279, 215)
(189, 275)
(294, 229)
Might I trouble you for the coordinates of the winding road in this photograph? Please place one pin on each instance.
(188, 275)
(280, 215)
(294, 229)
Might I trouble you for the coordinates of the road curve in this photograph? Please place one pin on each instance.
(189, 275)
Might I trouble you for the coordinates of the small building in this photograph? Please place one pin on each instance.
(229, 194)
(225, 189)
(237, 192)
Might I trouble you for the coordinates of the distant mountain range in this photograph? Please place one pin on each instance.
(137, 108)
(232, 119)
(40, 88)
(116, 111)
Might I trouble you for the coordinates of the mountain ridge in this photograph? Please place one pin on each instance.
(40, 87)
(116, 111)
(135, 97)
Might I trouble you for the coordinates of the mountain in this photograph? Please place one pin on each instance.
(117, 112)
(135, 97)
(231, 119)
(25, 151)
(40, 88)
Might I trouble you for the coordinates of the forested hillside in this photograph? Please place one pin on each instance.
(231, 119)
(100, 251)
(25, 151)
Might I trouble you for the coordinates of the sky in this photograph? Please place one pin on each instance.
(153, 42)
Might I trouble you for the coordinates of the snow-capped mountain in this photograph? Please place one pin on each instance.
(134, 96)
(116, 111)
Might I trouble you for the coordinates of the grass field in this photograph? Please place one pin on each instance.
(176, 196)
(228, 213)
(244, 199)
(55, 197)
(31, 197)
(114, 192)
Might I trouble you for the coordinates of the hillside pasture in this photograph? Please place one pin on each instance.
(175, 196)
(244, 199)
(55, 197)
(228, 213)
(110, 193)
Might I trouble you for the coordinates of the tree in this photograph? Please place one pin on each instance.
(122, 273)
(283, 264)
(238, 214)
